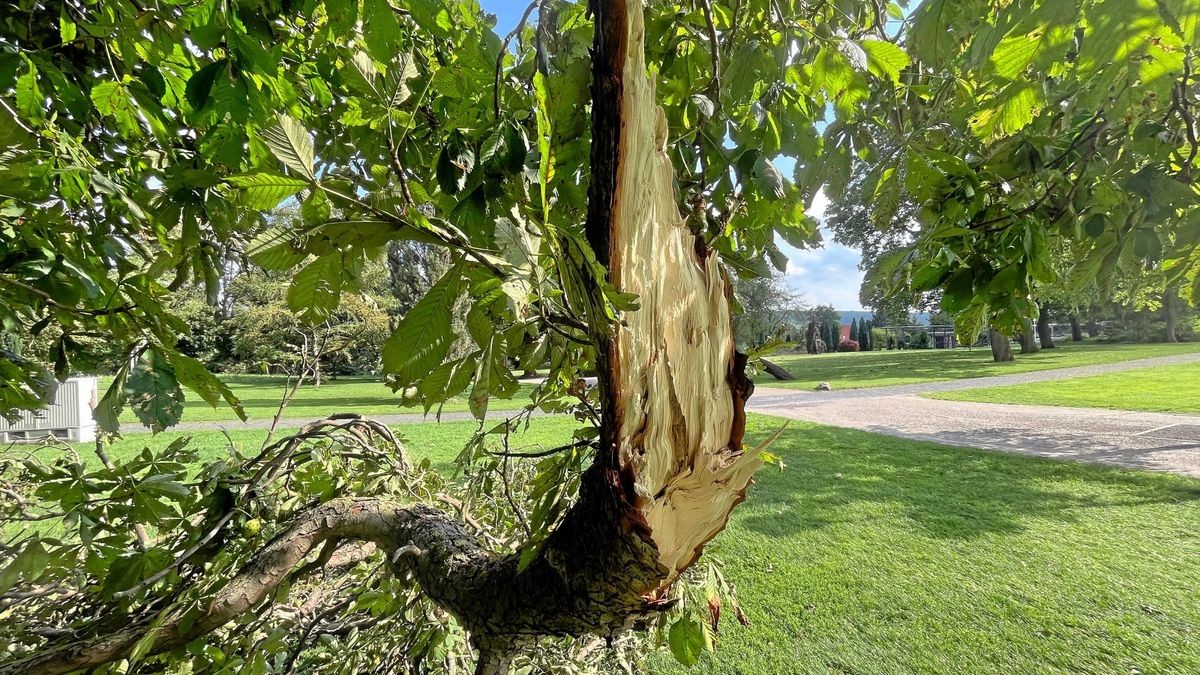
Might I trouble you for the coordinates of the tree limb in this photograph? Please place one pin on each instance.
(446, 547)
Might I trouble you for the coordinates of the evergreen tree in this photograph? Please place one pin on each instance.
(854, 330)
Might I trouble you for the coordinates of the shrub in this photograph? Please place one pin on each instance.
(847, 346)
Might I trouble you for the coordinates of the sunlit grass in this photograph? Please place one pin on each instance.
(885, 368)
(871, 554)
(1165, 389)
(261, 394)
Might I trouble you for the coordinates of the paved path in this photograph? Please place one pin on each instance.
(1157, 441)
(1142, 440)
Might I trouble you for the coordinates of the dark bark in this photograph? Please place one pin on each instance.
(776, 371)
(1045, 334)
(1169, 313)
(609, 46)
(1028, 339)
(1076, 332)
(1001, 347)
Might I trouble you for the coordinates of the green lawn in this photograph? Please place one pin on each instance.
(881, 369)
(1165, 389)
(870, 554)
(260, 394)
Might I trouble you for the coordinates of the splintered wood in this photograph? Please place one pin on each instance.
(677, 410)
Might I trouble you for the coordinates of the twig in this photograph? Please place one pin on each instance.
(503, 51)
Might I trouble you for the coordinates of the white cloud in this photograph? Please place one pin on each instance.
(828, 275)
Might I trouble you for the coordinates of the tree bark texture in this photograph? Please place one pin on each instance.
(1045, 334)
(670, 465)
(1001, 347)
(1028, 338)
(1076, 331)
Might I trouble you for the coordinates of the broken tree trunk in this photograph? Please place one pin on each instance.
(1001, 347)
(670, 464)
(676, 388)
(776, 371)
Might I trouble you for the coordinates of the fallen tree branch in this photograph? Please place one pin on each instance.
(444, 542)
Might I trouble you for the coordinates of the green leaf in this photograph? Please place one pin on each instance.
(831, 71)
(930, 39)
(425, 334)
(1014, 54)
(447, 380)
(316, 290)
(66, 27)
(277, 249)
(688, 640)
(113, 99)
(482, 386)
(153, 391)
(885, 59)
(316, 209)
(193, 375)
(28, 565)
(290, 143)
(1147, 245)
(200, 84)
(264, 191)
(29, 96)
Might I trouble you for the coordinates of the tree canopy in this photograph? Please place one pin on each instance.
(142, 142)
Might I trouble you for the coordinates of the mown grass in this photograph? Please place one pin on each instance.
(260, 395)
(885, 368)
(1164, 389)
(870, 554)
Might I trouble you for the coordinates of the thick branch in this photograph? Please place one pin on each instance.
(447, 551)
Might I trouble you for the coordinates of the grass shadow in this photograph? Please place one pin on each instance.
(951, 493)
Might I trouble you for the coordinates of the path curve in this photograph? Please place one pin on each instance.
(1139, 440)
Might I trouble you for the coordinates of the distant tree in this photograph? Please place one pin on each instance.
(1001, 346)
(413, 268)
(267, 335)
(824, 314)
(1029, 343)
(864, 335)
(1044, 331)
(767, 304)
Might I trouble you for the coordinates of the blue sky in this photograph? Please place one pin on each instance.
(827, 276)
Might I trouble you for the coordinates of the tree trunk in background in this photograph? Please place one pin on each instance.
(1169, 312)
(1001, 347)
(1076, 333)
(1045, 334)
(776, 371)
(1028, 339)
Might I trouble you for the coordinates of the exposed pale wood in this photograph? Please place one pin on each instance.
(676, 385)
